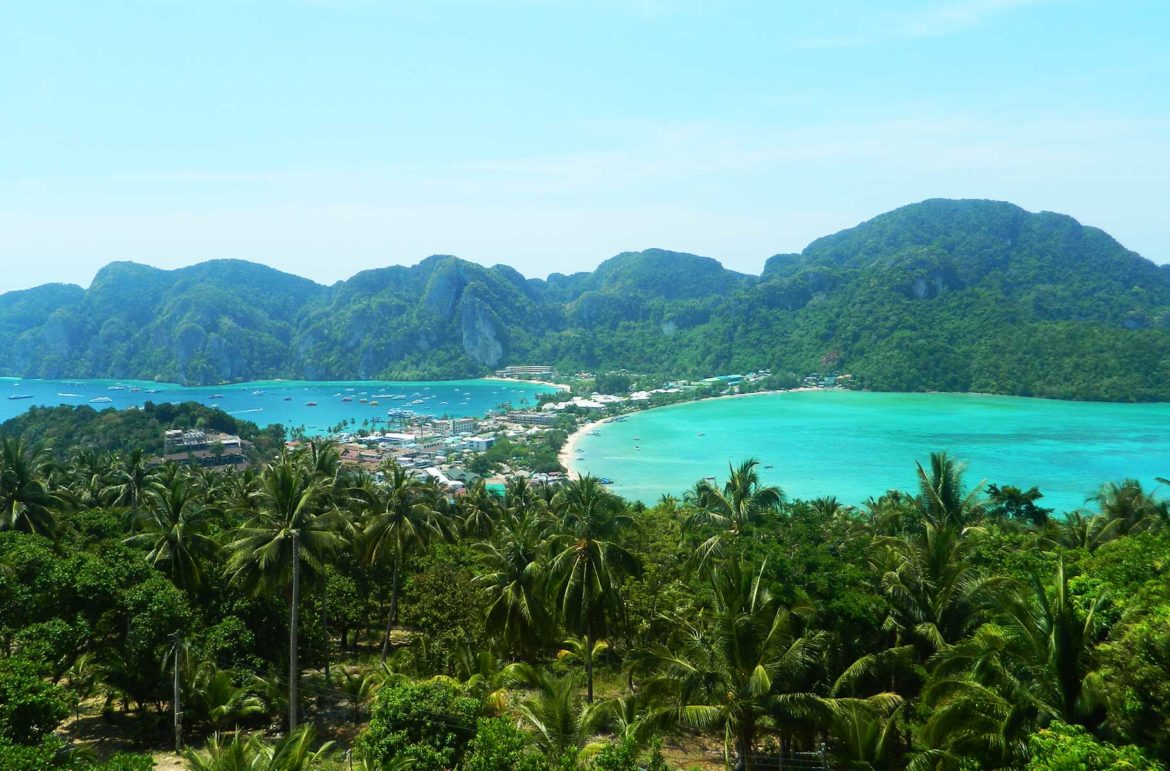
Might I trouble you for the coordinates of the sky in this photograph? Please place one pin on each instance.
(325, 137)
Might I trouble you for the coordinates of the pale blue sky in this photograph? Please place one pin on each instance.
(323, 137)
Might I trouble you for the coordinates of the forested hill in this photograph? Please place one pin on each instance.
(939, 295)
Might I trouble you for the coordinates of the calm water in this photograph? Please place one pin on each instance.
(281, 401)
(854, 445)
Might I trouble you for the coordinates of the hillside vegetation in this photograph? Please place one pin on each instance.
(939, 295)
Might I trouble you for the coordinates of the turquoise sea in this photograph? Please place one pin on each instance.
(854, 444)
(281, 401)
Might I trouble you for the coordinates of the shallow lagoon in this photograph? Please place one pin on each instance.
(856, 444)
(282, 401)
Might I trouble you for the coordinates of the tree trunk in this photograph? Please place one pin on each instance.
(392, 618)
(589, 662)
(325, 630)
(293, 612)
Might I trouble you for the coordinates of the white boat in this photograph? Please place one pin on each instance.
(69, 396)
(100, 400)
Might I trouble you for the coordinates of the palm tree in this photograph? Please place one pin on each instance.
(401, 518)
(942, 497)
(1128, 508)
(479, 510)
(88, 475)
(732, 509)
(1033, 665)
(587, 564)
(289, 532)
(214, 697)
(131, 477)
(27, 503)
(553, 709)
(514, 580)
(934, 592)
(294, 752)
(173, 524)
(748, 662)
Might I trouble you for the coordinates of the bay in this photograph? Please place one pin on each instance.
(857, 444)
(282, 401)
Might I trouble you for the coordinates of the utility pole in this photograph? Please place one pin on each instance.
(292, 632)
(177, 707)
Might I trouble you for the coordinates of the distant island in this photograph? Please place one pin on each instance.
(942, 295)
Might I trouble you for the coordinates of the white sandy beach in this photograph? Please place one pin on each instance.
(565, 456)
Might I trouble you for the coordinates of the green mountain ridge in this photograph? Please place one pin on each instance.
(963, 295)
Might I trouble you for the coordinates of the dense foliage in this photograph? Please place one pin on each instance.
(554, 629)
(65, 428)
(941, 295)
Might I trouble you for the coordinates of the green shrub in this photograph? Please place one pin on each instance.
(30, 707)
(499, 745)
(429, 723)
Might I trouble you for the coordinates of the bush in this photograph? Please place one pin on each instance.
(429, 723)
(499, 745)
(1060, 747)
(30, 707)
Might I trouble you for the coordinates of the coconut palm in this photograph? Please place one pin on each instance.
(479, 510)
(290, 532)
(172, 521)
(513, 581)
(587, 564)
(401, 518)
(87, 476)
(935, 594)
(748, 664)
(942, 497)
(27, 502)
(130, 478)
(215, 697)
(293, 752)
(1127, 508)
(732, 509)
(1033, 665)
(553, 710)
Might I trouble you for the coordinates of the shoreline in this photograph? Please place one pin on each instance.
(558, 386)
(569, 449)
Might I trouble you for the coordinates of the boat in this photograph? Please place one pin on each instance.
(636, 438)
(347, 398)
(152, 390)
(700, 434)
(288, 398)
(769, 466)
(100, 400)
(362, 401)
(135, 390)
(310, 404)
(68, 396)
(257, 393)
(594, 433)
(14, 397)
(398, 396)
(116, 388)
(215, 396)
(373, 402)
(605, 481)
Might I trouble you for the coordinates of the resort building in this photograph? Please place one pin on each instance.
(205, 448)
(526, 371)
(532, 418)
